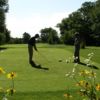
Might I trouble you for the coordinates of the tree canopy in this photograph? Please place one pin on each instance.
(86, 20)
(26, 37)
(49, 35)
(4, 33)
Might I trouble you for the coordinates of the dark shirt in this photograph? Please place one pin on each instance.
(77, 41)
(32, 41)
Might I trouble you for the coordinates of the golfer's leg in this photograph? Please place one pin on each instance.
(75, 54)
(78, 55)
(30, 51)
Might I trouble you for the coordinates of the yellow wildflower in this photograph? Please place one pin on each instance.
(84, 72)
(87, 72)
(2, 71)
(11, 91)
(81, 83)
(93, 74)
(67, 95)
(11, 75)
(87, 85)
(81, 92)
(98, 87)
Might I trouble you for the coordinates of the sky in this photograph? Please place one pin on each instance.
(33, 15)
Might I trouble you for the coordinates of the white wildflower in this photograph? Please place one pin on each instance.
(73, 70)
(4, 98)
(67, 61)
(89, 54)
(87, 61)
(68, 74)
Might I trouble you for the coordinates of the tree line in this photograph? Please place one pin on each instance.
(4, 32)
(86, 21)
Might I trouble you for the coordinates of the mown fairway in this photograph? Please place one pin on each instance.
(39, 84)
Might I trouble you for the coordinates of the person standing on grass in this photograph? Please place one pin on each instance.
(31, 46)
(77, 48)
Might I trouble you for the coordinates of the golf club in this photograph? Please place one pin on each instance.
(44, 57)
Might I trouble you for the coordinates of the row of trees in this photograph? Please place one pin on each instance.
(4, 32)
(26, 36)
(48, 35)
(86, 20)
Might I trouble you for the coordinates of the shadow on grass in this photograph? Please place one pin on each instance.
(32, 63)
(91, 66)
(2, 48)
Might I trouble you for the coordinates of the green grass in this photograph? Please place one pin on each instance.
(39, 84)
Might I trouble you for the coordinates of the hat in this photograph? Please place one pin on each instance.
(36, 35)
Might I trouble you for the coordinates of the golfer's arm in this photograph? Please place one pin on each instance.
(35, 47)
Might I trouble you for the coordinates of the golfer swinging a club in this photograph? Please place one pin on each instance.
(31, 46)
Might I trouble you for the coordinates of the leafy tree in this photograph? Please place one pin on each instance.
(2, 38)
(44, 35)
(86, 21)
(49, 35)
(7, 34)
(3, 9)
(96, 23)
(26, 37)
(86, 31)
(16, 41)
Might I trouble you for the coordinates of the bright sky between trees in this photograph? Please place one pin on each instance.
(33, 15)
